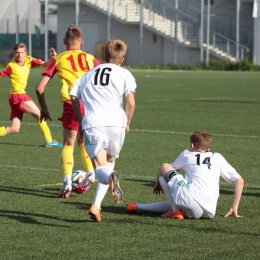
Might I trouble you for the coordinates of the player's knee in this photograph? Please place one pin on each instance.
(169, 175)
(164, 168)
(15, 130)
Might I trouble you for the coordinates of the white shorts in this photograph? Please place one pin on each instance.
(110, 138)
(182, 200)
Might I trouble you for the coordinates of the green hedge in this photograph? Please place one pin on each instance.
(243, 65)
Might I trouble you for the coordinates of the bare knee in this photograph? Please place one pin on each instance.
(12, 130)
(164, 168)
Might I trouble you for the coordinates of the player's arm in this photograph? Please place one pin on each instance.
(53, 55)
(6, 72)
(157, 189)
(40, 95)
(76, 108)
(75, 96)
(77, 111)
(129, 109)
(233, 211)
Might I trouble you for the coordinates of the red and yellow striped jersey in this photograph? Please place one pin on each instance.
(69, 66)
(19, 73)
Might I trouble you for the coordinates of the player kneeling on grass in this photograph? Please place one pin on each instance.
(105, 122)
(18, 71)
(195, 194)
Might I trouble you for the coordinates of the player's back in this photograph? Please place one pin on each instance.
(69, 66)
(102, 90)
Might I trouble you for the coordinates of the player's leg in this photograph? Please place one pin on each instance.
(67, 159)
(16, 116)
(101, 190)
(168, 178)
(96, 143)
(102, 172)
(30, 107)
(116, 140)
(157, 207)
(191, 208)
(13, 129)
(90, 174)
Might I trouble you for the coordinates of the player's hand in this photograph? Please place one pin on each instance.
(127, 129)
(53, 53)
(80, 134)
(157, 188)
(233, 213)
(45, 115)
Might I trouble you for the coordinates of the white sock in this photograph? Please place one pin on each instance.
(103, 174)
(167, 192)
(101, 190)
(111, 166)
(159, 207)
(67, 178)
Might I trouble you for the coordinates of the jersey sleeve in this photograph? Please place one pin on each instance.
(227, 172)
(178, 164)
(96, 63)
(36, 62)
(6, 72)
(50, 71)
(130, 84)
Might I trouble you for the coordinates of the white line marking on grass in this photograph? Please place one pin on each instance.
(28, 168)
(123, 175)
(186, 133)
(159, 131)
(23, 123)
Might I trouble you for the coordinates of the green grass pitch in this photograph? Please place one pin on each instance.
(35, 224)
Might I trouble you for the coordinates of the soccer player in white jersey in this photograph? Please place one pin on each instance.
(105, 122)
(195, 194)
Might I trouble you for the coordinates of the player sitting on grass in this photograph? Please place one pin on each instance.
(18, 71)
(69, 65)
(196, 194)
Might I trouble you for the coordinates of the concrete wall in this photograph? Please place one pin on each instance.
(157, 50)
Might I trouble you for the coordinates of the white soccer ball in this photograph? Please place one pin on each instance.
(77, 177)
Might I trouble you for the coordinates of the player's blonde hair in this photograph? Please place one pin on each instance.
(73, 34)
(201, 139)
(115, 50)
(19, 45)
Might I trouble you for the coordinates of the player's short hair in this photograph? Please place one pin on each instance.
(73, 34)
(19, 45)
(201, 139)
(115, 50)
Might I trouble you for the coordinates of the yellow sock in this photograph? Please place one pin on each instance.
(45, 131)
(67, 160)
(85, 158)
(2, 131)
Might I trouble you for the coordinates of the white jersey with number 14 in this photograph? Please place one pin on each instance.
(203, 170)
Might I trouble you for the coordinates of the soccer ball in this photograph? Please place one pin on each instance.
(77, 178)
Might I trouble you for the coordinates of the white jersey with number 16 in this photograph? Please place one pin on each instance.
(101, 90)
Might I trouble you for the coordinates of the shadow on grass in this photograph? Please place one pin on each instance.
(48, 193)
(147, 183)
(29, 218)
(23, 144)
(231, 192)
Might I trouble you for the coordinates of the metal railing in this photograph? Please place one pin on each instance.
(159, 17)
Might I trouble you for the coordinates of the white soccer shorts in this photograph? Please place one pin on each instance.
(110, 138)
(179, 188)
